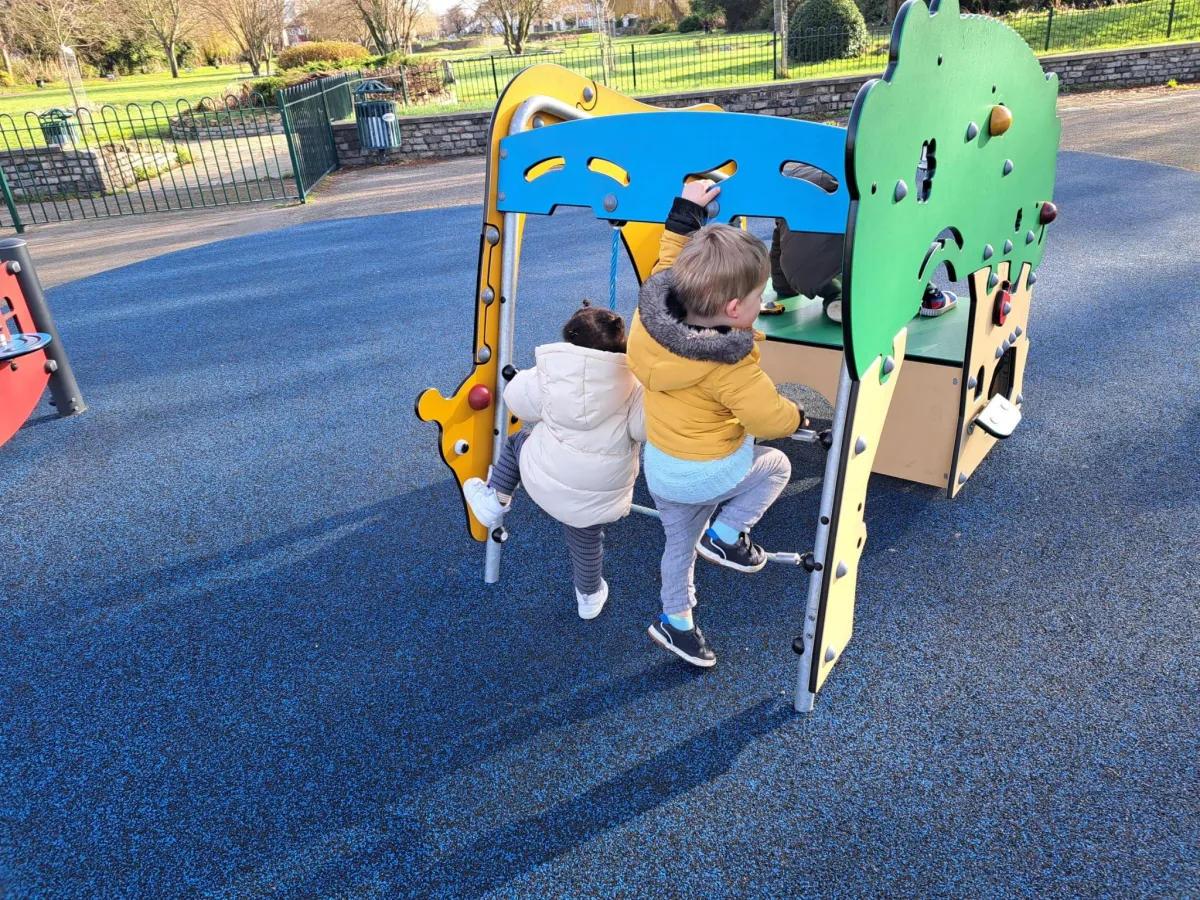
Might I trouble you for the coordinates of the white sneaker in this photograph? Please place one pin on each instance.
(484, 504)
(591, 604)
(834, 311)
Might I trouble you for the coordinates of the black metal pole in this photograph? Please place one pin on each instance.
(495, 81)
(633, 63)
(1170, 19)
(1049, 25)
(64, 390)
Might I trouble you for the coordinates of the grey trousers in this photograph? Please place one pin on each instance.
(684, 523)
(584, 545)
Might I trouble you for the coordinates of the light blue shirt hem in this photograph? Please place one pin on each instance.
(696, 481)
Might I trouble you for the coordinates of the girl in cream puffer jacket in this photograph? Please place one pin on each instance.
(580, 460)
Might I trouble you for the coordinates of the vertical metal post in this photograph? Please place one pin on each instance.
(14, 255)
(633, 63)
(290, 134)
(1049, 26)
(804, 697)
(779, 40)
(1170, 19)
(503, 355)
(11, 204)
(404, 84)
(495, 80)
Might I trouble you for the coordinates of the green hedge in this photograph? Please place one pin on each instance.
(321, 52)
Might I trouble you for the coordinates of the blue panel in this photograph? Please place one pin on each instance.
(657, 149)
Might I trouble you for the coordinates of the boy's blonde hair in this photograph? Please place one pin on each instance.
(719, 263)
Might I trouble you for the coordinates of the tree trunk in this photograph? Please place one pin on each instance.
(7, 61)
(173, 60)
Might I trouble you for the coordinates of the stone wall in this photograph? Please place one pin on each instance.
(465, 134)
(226, 125)
(51, 172)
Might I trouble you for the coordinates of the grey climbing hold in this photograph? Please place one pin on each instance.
(962, 477)
(1004, 344)
(493, 235)
(500, 197)
(971, 428)
(988, 251)
(1008, 167)
(972, 131)
(1007, 307)
(901, 190)
(588, 94)
(830, 654)
(1030, 237)
(485, 353)
(889, 365)
(842, 569)
(1032, 280)
(610, 202)
(1012, 338)
(1008, 246)
(860, 446)
(999, 352)
(538, 121)
(489, 296)
(971, 382)
(503, 153)
(712, 210)
(1018, 331)
(1020, 399)
(993, 280)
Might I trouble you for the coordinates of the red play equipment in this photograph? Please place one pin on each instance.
(31, 353)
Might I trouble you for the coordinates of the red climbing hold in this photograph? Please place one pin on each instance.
(1048, 213)
(479, 397)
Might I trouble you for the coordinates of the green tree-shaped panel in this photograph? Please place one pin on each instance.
(946, 75)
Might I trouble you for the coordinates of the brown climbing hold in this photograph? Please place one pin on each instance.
(1048, 213)
(1000, 120)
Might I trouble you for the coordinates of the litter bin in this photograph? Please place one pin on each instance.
(375, 113)
(59, 126)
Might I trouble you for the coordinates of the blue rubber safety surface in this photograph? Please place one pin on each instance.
(247, 650)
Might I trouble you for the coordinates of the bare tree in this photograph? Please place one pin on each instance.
(332, 20)
(168, 20)
(4, 37)
(457, 19)
(515, 17)
(43, 26)
(254, 26)
(390, 22)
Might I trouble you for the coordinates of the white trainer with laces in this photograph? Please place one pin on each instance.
(484, 504)
(591, 604)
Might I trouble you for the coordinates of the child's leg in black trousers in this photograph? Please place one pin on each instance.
(586, 546)
(506, 474)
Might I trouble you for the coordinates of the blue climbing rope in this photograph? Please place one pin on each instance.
(612, 268)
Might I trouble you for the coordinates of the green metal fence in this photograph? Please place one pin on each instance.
(86, 164)
(309, 111)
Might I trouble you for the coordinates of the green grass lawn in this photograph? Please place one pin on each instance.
(142, 89)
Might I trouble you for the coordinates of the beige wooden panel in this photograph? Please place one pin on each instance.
(918, 440)
(865, 420)
(814, 367)
(985, 338)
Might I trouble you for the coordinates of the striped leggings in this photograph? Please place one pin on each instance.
(585, 545)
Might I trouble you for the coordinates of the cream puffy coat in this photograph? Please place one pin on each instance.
(581, 460)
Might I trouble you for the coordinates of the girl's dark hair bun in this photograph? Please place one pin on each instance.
(595, 328)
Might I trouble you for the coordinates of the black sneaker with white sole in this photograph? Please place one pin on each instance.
(687, 645)
(743, 554)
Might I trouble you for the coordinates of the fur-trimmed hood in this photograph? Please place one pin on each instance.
(665, 354)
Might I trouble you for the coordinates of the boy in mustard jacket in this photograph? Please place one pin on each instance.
(693, 348)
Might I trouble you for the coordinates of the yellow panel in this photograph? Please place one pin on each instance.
(984, 339)
(455, 419)
(868, 410)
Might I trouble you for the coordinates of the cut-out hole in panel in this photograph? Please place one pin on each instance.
(718, 173)
(538, 169)
(874, 186)
(1017, 224)
(926, 169)
(794, 168)
(611, 169)
(1004, 375)
(947, 234)
(979, 383)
